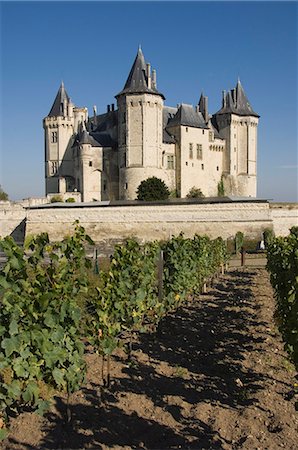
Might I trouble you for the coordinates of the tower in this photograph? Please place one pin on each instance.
(237, 123)
(59, 127)
(140, 115)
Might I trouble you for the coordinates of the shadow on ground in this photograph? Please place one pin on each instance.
(204, 343)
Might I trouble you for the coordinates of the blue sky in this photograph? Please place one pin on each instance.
(194, 46)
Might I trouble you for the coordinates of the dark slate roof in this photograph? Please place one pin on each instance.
(103, 139)
(104, 121)
(187, 116)
(236, 102)
(167, 114)
(57, 108)
(86, 138)
(137, 81)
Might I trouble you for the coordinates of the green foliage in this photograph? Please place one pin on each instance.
(128, 293)
(56, 199)
(128, 298)
(195, 192)
(220, 188)
(239, 239)
(70, 200)
(268, 235)
(3, 195)
(294, 230)
(40, 346)
(50, 298)
(152, 189)
(282, 257)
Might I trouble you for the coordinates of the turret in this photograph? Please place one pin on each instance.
(140, 107)
(59, 129)
(237, 122)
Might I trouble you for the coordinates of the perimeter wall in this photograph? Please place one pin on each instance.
(149, 222)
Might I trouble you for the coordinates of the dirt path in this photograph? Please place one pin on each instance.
(215, 377)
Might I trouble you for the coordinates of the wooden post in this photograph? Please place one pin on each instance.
(160, 275)
(242, 256)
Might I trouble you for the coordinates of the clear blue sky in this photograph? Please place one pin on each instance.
(194, 46)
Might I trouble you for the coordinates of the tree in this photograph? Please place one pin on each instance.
(152, 189)
(220, 188)
(195, 192)
(3, 195)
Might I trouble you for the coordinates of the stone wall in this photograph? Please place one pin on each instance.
(109, 224)
(284, 216)
(151, 222)
(12, 220)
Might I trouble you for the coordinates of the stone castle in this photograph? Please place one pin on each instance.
(106, 156)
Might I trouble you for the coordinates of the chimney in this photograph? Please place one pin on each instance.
(94, 111)
(148, 67)
(224, 99)
(153, 84)
(113, 106)
(108, 108)
(205, 112)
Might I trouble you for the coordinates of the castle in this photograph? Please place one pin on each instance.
(106, 156)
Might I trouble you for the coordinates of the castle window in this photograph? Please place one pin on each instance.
(186, 129)
(203, 131)
(210, 136)
(186, 163)
(124, 159)
(104, 186)
(54, 137)
(170, 161)
(190, 151)
(199, 151)
(126, 186)
(90, 163)
(54, 167)
(202, 166)
(217, 168)
(124, 117)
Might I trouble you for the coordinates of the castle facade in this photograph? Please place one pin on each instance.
(106, 156)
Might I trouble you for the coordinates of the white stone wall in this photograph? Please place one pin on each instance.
(284, 216)
(205, 172)
(153, 222)
(140, 141)
(11, 217)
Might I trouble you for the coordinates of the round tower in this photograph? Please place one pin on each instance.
(140, 108)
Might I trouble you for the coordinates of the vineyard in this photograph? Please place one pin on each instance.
(140, 335)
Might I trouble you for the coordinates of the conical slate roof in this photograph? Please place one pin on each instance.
(238, 103)
(57, 108)
(137, 81)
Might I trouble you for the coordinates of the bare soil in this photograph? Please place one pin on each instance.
(215, 376)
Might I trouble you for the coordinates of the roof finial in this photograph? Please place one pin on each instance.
(140, 48)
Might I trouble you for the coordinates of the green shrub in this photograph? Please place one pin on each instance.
(268, 235)
(220, 188)
(239, 239)
(195, 192)
(56, 199)
(70, 200)
(152, 189)
(3, 195)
